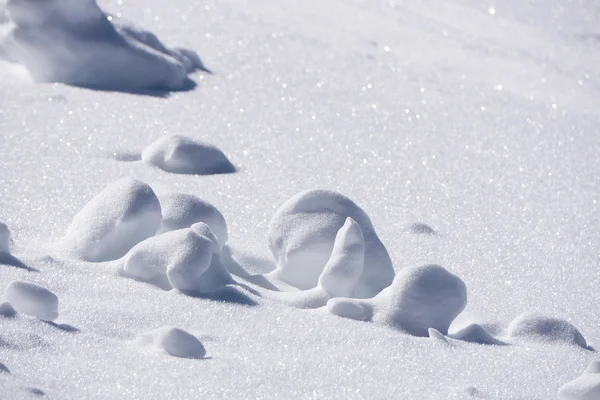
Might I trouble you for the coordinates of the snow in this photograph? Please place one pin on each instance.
(475, 333)
(7, 310)
(174, 341)
(483, 126)
(302, 234)
(183, 155)
(585, 387)
(217, 275)
(123, 214)
(181, 210)
(419, 298)
(541, 327)
(4, 238)
(75, 42)
(32, 299)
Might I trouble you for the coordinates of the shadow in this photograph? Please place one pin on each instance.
(36, 392)
(158, 92)
(590, 348)
(123, 156)
(63, 327)
(236, 269)
(419, 228)
(4, 369)
(226, 294)
(9, 259)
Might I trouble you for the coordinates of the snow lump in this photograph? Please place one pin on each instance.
(173, 341)
(302, 233)
(32, 299)
(123, 214)
(540, 327)
(182, 155)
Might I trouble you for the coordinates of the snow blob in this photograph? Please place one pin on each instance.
(174, 259)
(116, 219)
(539, 327)
(173, 341)
(182, 155)
(180, 210)
(419, 298)
(217, 275)
(75, 42)
(585, 387)
(302, 233)
(32, 299)
(4, 238)
(475, 333)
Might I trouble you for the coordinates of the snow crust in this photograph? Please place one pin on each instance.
(32, 299)
(173, 341)
(585, 387)
(302, 233)
(541, 327)
(123, 214)
(183, 155)
(75, 42)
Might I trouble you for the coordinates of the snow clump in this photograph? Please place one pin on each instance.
(173, 341)
(539, 327)
(32, 299)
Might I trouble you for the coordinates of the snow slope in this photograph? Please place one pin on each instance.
(479, 120)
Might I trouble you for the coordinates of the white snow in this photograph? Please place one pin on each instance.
(180, 210)
(301, 237)
(75, 42)
(585, 387)
(4, 238)
(428, 296)
(174, 341)
(537, 326)
(7, 310)
(475, 333)
(32, 299)
(123, 214)
(183, 155)
(217, 275)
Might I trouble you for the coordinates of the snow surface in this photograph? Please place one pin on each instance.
(478, 119)
(31, 299)
(585, 387)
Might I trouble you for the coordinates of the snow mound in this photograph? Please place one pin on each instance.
(7, 310)
(342, 272)
(585, 387)
(182, 155)
(475, 333)
(4, 238)
(180, 210)
(32, 299)
(302, 233)
(75, 42)
(217, 275)
(173, 341)
(123, 214)
(540, 327)
(175, 259)
(419, 298)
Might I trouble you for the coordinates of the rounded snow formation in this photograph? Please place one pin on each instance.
(174, 341)
(182, 155)
(32, 299)
(585, 387)
(180, 210)
(475, 333)
(419, 298)
(75, 42)
(4, 238)
(175, 259)
(217, 275)
(123, 214)
(302, 233)
(539, 327)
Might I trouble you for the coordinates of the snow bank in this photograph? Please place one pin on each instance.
(182, 155)
(4, 238)
(419, 298)
(75, 42)
(173, 259)
(173, 341)
(539, 327)
(181, 210)
(116, 219)
(32, 299)
(302, 234)
(585, 387)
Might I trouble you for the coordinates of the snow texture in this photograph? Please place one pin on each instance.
(475, 333)
(4, 238)
(585, 387)
(180, 210)
(123, 214)
(302, 233)
(183, 155)
(75, 42)
(550, 329)
(32, 299)
(175, 259)
(174, 341)
(419, 298)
